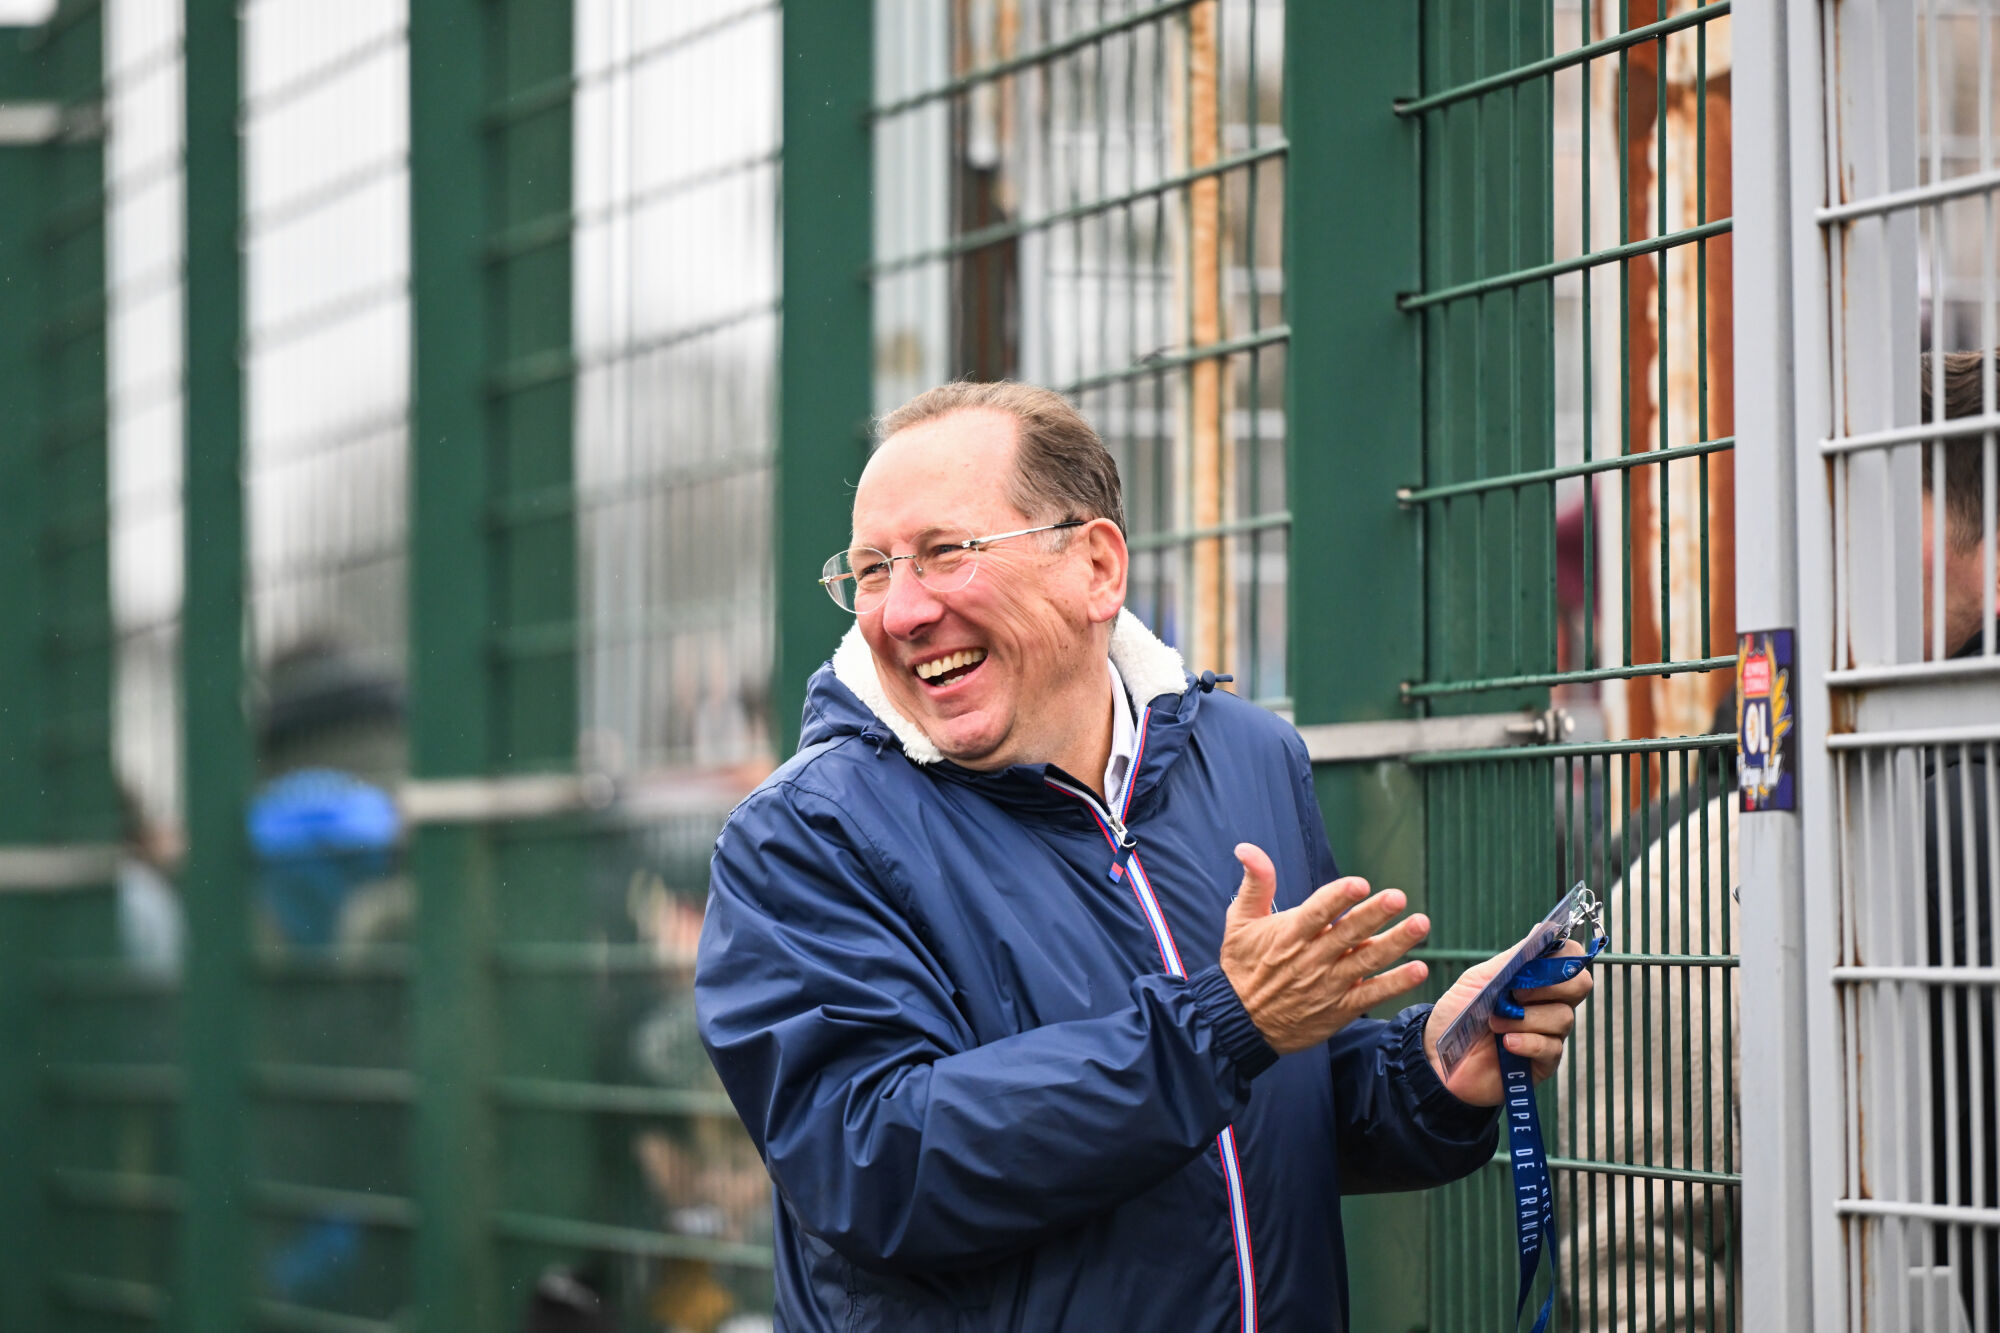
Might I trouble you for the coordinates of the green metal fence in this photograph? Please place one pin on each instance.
(1644, 1110)
(411, 1081)
(415, 412)
(1088, 197)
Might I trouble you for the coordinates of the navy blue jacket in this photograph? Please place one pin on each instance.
(990, 1061)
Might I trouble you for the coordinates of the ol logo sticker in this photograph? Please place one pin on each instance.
(1766, 722)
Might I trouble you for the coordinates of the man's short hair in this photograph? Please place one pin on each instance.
(1964, 465)
(1061, 468)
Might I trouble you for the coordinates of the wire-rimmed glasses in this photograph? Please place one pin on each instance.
(945, 560)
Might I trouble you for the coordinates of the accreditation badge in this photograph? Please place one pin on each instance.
(1766, 722)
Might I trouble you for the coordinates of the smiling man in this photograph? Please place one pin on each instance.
(972, 971)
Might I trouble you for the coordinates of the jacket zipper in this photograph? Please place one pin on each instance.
(1122, 840)
(1125, 864)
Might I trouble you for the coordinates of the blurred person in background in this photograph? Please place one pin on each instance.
(971, 971)
(1958, 888)
(326, 838)
(151, 925)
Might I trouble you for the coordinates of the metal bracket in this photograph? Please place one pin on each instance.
(28, 124)
(1357, 742)
(1545, 728)
(58, 867)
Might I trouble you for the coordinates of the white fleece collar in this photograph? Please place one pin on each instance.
(1149, 668)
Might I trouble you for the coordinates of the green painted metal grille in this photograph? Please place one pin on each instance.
(618, 1154)
(325, 369)
(1090, 197)
(103, 991)
(677, 303)
(1574, 470)
(76, 732)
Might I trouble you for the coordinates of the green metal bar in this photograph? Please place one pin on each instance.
(825, 350)
(333, 1083)
(549, 502)
(1623, 151)
(314, 198)
(347, 306)
(118, 1190)
(1550, 474)
(213, 1279)
(554, 959)
(1556, 268)
(545, 367)
(1429, 689)
(22, 412)
(1715, 741)
(538, 233)
(1662, 343)
(68, 13)
(452, 601)
(317, 76)
(592, 1236)
(1153, 541)
(25, 76)
(1161, 362)
(967, 242)
(284, 1318)
(1701, 324)
(112, 1296)
(375, 962)
(282, 1199)
(548, 93)
(1606, 959)
(1354, 372)
(1044, 55)
(557, 1095)
(116, 1082)
(1575, 56)
(1639, 1171)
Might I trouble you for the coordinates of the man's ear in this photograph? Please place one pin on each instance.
(1110, 564)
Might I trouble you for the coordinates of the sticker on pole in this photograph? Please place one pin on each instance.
(1766, 722)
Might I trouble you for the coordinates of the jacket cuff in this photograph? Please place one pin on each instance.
(1236, 1036)
(1442, 1112)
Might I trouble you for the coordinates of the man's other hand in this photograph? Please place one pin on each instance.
(1306, 973)
(1538, 1034)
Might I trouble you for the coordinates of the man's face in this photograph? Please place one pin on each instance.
(1027, 620)
(1964, 607)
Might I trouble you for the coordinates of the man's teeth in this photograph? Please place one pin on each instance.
(933, 669)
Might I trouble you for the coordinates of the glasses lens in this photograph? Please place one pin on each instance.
(857, 578)
(946, 563)
(837, 577)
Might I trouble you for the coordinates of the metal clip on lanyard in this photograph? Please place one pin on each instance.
(1534, 1199)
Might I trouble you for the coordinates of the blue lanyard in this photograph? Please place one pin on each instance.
(1534, 1198)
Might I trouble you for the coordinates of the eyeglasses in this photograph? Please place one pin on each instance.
(858, 578)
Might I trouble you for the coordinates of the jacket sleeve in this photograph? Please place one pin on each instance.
(892, 1135)
(1397, 1126)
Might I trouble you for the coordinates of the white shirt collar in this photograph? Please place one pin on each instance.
(1124, 740)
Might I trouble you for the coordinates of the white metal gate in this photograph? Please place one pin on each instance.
(1868, 242)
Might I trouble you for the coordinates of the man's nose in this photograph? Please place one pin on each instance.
(910, 605)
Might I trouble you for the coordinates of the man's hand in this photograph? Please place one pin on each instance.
(1305, 974)
(1539, 1034)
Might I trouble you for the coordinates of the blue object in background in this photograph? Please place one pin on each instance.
(317, 835)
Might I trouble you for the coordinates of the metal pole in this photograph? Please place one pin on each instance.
(1812, 938)
(21, 211)
(213, 1280)
(1354, 374)
(1773, 1098)
(451, 605)
(826, 365)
